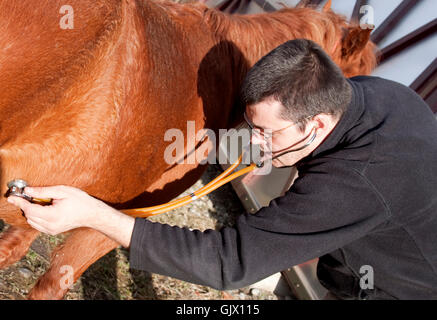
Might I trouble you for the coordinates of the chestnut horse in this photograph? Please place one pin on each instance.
(89, 106)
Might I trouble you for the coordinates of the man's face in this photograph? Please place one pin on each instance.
(265, 116)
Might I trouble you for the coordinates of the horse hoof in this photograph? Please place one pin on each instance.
(39, 294)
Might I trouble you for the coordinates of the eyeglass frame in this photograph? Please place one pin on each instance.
(254, 128)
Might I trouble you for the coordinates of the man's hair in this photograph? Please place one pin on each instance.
(301, 76)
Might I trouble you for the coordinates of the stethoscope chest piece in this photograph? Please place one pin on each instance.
(16, 188)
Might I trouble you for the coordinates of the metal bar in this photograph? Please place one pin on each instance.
(408, 40)
(306, 3)
(242, 6)
(424, 76)
(232, 6)
(426, 85)
(265, 5)
(392, 20)
(432, 101)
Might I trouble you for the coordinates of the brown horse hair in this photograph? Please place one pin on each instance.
(348, 45)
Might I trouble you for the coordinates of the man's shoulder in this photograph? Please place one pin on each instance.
(384, 98)
(381, 86)
(377, 82)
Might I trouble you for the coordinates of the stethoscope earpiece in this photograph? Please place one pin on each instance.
(313, 137)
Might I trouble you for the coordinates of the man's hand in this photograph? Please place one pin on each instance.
(73, 208)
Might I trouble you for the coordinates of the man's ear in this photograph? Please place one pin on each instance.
(321, 120)
(354, 41)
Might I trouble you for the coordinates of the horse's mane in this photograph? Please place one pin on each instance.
(254, 34)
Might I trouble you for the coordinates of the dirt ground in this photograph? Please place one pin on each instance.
(110, 278)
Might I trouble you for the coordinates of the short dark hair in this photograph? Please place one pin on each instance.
(301, 76)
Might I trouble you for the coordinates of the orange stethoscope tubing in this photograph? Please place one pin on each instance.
(220, 180)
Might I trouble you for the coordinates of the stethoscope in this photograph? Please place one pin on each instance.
(261, 163)
(16, 187)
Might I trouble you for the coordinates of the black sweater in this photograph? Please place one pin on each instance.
(366, 196)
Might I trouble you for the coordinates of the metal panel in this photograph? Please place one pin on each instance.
(303, 281)
(256, 192)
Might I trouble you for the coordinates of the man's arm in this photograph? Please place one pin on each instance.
(324, 210)
(114, 224)
(74, 208)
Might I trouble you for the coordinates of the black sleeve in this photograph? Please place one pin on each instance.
(326, 208)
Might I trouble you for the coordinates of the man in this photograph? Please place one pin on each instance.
(366, 152)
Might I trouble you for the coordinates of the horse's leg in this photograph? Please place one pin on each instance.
(14, 244)
(81, 249)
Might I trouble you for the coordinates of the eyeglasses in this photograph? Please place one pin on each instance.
(267, 133)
